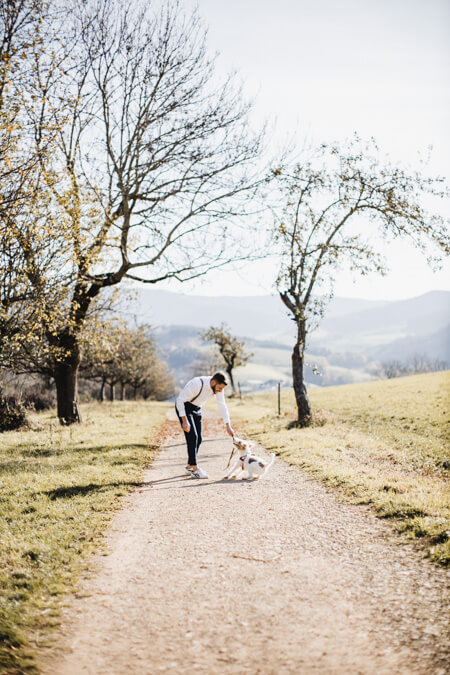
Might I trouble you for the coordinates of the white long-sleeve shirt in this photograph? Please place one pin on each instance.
(192, 388)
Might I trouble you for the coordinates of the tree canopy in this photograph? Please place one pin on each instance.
(332, 211)
(141, 165)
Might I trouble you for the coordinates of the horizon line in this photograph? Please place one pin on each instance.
(274, 294)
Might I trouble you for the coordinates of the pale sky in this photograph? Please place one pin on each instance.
(325, 69)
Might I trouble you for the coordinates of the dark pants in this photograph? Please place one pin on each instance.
(194, 437)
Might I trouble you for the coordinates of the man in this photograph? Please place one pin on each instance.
(189, 411)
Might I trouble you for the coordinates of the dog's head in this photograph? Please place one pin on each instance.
(241, 446)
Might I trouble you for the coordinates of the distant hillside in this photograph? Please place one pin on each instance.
(262, 317)
(415, 318)
(435, 346)
(350, 342)
(185, 352)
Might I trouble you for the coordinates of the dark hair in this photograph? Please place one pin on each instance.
(219, 377)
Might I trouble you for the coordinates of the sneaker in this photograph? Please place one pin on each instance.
(188, 470)
(199, 473)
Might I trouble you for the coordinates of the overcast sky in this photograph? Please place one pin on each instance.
(325, 69)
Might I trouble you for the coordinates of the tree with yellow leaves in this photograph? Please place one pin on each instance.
(142, 166)
(126, 356)
(20, 39)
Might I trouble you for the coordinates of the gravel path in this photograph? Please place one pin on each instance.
(273, 577)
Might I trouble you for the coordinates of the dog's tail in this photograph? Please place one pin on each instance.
(272, 459)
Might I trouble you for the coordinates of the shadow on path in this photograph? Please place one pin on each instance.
(204, 440)
(77, 490)
(191, 483)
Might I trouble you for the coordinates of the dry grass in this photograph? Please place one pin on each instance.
(382, 443)
(59, 489)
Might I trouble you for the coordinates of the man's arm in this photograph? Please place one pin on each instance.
(186, 394)
(220, 398)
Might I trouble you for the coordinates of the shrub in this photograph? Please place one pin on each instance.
(12, 413)
(39, 399)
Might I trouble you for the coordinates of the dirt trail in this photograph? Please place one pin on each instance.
(270, 577)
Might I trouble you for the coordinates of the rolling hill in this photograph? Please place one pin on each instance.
(354, 336)
(263, 317)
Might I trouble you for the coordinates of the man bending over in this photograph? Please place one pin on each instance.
(189, 411)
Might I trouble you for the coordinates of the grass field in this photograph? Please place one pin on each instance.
(383, 443)
(59, 488)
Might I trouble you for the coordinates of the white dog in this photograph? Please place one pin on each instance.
(255, 466)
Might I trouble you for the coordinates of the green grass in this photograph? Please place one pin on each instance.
(383, 443)
(59, 488)
(410, 413)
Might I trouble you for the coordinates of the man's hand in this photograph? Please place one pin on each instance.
(229, 430)
(185, 425)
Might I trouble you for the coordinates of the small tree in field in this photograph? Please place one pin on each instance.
(231, 350)
(331, 209)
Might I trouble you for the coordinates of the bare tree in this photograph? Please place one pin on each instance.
(419, 363)
(439, 364)
(331, 208)
(150, 165)
(231, 350)
(394, 368)
(413, 365)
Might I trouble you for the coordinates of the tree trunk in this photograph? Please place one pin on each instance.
(122, 391)
(66, 380)
(112, 392)
(102, 391)
(301, 396)
(65, 373)
(230, 375)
